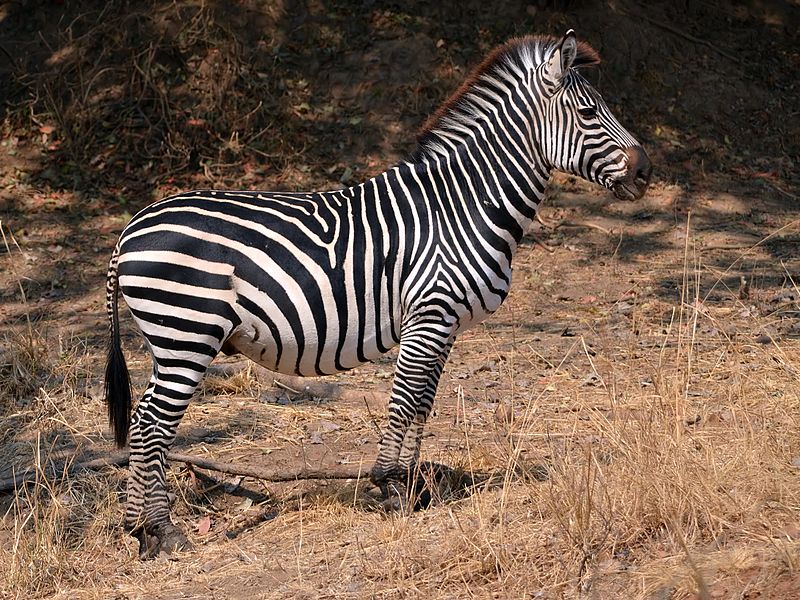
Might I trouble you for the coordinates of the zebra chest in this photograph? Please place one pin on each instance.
(482, 303)
(468, 296)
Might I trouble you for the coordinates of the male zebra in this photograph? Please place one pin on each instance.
(318, 283)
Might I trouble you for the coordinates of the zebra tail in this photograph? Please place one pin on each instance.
(117, 383)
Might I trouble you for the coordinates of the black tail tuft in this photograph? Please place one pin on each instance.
(118, 383)
(118, 393)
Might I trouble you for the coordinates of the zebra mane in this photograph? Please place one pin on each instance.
(510, 60)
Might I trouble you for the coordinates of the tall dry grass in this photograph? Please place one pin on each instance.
(48, 523)
(669, 472)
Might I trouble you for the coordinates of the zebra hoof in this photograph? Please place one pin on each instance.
(165, 538)
(148, 544)
(395, 498)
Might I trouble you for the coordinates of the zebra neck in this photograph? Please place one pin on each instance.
(502, 190)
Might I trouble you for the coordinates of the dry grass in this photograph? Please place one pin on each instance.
(670, 473)
(652, 452)
(61, 526)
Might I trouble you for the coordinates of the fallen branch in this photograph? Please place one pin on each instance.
(33, 473)
(119, 459)
(586, 224)
(265, 474)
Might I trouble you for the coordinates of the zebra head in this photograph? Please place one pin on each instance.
(580, 135)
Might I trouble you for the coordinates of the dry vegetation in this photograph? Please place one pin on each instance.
(630, 416)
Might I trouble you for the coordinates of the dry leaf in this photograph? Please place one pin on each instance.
(204, 525)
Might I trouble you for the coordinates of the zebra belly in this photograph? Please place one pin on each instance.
(269, 354)
(305, 344)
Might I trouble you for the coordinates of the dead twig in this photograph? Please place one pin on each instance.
(373, 419)
(544, 223)
(264, 474)
(776, 187)
(279, 384)
(538, 242)
(586, 224)
(120, 459)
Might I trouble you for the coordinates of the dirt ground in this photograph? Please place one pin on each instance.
(632, 412)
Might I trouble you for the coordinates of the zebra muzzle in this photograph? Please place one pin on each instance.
(636, 180)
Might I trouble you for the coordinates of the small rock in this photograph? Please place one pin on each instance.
(764, 339)
(232, 484)
(790, 531)
(327, 426)
(785, 296)
(750, 311)
(591, 379)
(209, 566)
(624, 308)
(489, 366)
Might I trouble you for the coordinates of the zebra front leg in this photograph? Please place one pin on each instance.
(423, 353)
(412, 442)
(153, 429)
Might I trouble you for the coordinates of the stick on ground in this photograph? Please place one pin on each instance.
(265, 474)
(119, 459)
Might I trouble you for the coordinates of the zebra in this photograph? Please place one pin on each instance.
(318, 283)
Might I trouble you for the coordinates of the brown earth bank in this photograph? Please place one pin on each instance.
(631, 413)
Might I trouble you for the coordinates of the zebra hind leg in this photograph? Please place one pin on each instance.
(153, 429)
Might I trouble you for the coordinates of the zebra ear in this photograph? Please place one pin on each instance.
(563, 57)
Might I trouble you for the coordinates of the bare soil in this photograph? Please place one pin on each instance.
(633, 409)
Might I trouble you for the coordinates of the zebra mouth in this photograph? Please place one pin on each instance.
(630, 188)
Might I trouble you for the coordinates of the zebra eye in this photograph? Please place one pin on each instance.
(588, 111)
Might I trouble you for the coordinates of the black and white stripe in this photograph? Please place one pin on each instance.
(318, 283)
